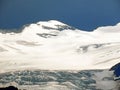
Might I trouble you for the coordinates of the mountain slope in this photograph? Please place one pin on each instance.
(53, 45)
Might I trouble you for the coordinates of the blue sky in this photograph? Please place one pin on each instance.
(82, 14)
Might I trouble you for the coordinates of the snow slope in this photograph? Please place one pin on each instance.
(53, 45)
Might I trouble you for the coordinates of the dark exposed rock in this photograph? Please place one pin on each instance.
(9, 88)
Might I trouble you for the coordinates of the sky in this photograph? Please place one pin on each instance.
(82, 14)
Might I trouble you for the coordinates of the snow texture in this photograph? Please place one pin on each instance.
(53, 45)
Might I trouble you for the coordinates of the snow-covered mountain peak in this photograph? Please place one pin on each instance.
(52, 45)
(47, 44)
(55, 25)
(45, 29)
(50, 23)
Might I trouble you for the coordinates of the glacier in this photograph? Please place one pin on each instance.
(55, 46)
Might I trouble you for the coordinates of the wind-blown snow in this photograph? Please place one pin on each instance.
(53, 45)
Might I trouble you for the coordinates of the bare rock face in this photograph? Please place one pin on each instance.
(9, 88)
